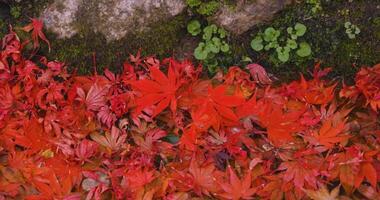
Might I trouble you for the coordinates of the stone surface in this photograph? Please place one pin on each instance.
(246, 14)
(113, 18)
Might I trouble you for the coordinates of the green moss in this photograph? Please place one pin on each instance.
(376, 25)
(78, 51)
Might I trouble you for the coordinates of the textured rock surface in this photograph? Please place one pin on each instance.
(247, 14)
(113, 18)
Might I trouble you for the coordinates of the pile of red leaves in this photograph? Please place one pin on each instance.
(158, 130)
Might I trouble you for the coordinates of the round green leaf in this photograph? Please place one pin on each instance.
(222, 33)
(194, 27)
(225, 47)
(207, 32)
(201, 51)
(304, 49)
(289, 30)
(271, 34)
(216, 41)
(347, 24)
(291, 44)
(357, 30)
(283, 56)
(257, 43)
(300, 29)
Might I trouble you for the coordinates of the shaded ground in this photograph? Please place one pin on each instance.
(326, 34)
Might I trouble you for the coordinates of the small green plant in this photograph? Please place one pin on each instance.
(352, 30)
(194, 27)
(15, 12)
(203, 7)
(213, 44)
(270, 39)
(316, 5)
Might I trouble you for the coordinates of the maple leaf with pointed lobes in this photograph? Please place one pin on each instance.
(216, 107)
(151, 137)
(86, 149)
(95, 98)
(302, 171)
(313, 91)
(137, 178)
(237, 189)
(113, 141)
(31, 136)
(49, 95)
(203, 179)
(367, 170)
(280, 124)
(36, 27)
(330, 133)
(367, 83)
(188, 139)
(160, 91)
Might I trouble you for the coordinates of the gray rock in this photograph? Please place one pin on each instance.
(113, 18)
(246, 14)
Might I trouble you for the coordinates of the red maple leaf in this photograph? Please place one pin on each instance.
(95, 98)
(36, 25)
(160, 91)
(280, 124)
(301, 171)
(203, 179)
(216, 107)
(331, 133)
(237, 188)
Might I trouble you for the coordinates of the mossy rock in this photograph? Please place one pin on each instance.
(78, 51)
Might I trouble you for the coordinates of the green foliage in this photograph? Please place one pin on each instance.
(203, 7)
(194, 27)
(352, 30)
(316, 5)
(193, 3)
(271, 39)
(16, 12)
(213, 44)
(304, 50)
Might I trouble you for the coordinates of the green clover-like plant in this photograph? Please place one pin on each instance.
(283, 53)
(304, 49)
(352, 30)
(297, 31)
(212, 46)
(257, 43)
(201, 51)
(300, 29)
(194, 27)
(271, 34)
(292, 44)
(271, 39)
